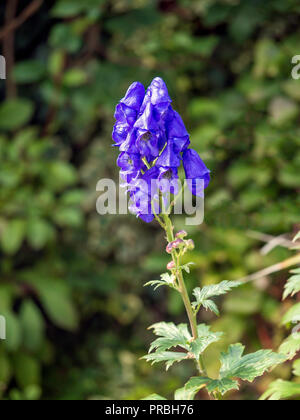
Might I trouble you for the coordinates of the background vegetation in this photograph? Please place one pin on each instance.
(71, 282)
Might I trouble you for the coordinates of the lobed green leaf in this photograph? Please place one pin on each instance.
(291, 345)
(166, 356)
(280, 390)
(292, 287)
(236, 366)
(203, 296)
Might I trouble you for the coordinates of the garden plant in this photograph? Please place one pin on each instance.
(153, 142)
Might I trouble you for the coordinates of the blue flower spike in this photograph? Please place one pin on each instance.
(153, 142)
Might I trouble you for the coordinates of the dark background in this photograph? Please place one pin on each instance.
(71, 282)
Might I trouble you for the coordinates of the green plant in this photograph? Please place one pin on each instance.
(281, 389)
(193, 345)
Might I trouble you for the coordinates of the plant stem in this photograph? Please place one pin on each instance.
(183, 290)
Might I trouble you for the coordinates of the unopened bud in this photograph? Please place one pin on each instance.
(178, 243)
(169, 248)
(190, 245)
(171, 265)
(181, 234)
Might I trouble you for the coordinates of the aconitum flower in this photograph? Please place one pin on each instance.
(153, 142)
(197, 174)
(127, 112)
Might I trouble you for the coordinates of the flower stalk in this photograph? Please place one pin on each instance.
(192, 316)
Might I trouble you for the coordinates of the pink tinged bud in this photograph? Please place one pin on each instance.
(171, 265)
(178, 243)
(190, 245)
(169, 248)
(181, 234)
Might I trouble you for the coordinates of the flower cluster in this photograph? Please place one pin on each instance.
(153, 142)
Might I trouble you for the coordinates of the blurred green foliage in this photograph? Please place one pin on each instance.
(70, 280)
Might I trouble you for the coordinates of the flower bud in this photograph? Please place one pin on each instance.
(169, 248)
(181, 234)
(190, 244)
(178, 243)
(171, 265)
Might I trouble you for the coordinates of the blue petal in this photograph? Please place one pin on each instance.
(134, 96)
(197, 174)
(175, 127)
(129, 162)
(120, 133)
(124, 114)
(129, 144)
(170, 157)
(159, 92)
(147, 120)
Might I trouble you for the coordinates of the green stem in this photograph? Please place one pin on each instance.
(167, 225)
(182, 289)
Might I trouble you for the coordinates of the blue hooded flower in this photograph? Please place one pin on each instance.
(129, 162)
(148, 128)
(168, 182)
(177, 131)
(144, 195)
(148, 134)
(197, 174)
(134, 96)
(129, 145)
(120, 133)
(170, 157)
(127, 112)
(157, 94)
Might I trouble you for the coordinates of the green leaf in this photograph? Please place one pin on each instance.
(154, 397)
(14, 113)
(292, 287)
(291, 346)
(68, 216)
(296, 368)
(12, 236)
(184, 394)
(56, 299)
(167, 356)
(210, 305)
(32, 324)
(63, 36)
(204, 340)
(5, 368)
(166, 280)
(60, 175)
(27, 370)
(170, 336)
(72, 8)
(187, 266)
(30, 71)
(280, 390)
(74, 77)
(249, 367)
(39, 232)
(222, 385)
(293, 315)
(203, 295)
(179, 336)
(195, 384)
(64, 9)
(234, 365)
